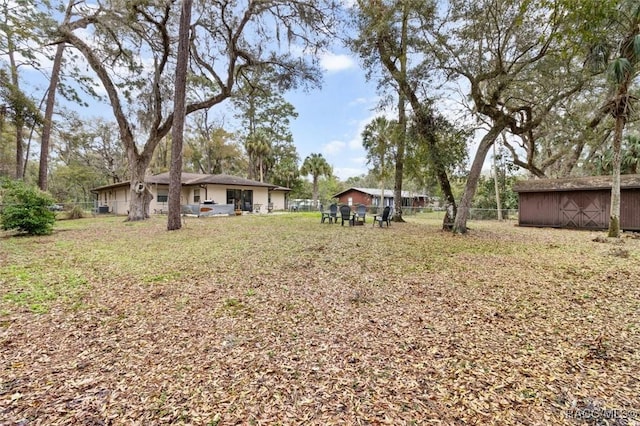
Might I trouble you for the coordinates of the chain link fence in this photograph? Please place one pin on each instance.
(474, 214)
(121, 208)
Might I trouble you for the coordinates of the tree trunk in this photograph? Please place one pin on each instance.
(174, 221)
(19, 148)
(496, 184)
(397, 184)
(460, 224)
(140, 197)
(50, 106)
(48, 118)
(13, 69)
(614, 215)
(315, 190)
(402, 121)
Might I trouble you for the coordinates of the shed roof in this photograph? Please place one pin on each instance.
(585, 183)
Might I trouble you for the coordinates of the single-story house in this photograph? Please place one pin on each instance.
(578, 202)
(372, 197)
(198, 190)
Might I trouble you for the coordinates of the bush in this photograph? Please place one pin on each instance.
(75, 213)
(26, 209)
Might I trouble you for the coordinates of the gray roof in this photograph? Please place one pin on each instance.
(376, 192)
(585, 183)
(202, 179)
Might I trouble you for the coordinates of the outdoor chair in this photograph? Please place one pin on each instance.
(333, 213)
(345, 214)
(385, 217)
(361, 212)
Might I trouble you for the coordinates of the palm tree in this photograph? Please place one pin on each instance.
(377, 139)
(285, 173)
(316, 166)
(622, 70)
(258, 148)
(631, 157)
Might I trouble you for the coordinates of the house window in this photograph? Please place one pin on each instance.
(350, 201)
(196, 195)
(163, 195)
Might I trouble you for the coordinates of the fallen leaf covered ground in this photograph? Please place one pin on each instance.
(279, 319)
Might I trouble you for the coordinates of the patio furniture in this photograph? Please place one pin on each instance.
(385, 217)
(361, 212)
(333, 213)
(345, 214)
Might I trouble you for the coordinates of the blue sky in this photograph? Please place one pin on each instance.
(332, 118)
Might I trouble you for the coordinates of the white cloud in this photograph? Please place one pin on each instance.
(333, 147)
(361, 161)
(355, 143)
(360, 101)
(332, 62)
(343, 173)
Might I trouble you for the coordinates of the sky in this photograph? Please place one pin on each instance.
(331, 119)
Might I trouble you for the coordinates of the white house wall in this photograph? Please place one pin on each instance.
(277, 199)
(117, 199)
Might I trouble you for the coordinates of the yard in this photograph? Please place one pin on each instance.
(283, 320)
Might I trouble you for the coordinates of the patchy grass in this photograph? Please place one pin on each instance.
(283, 320)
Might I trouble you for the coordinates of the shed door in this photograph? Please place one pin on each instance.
(582, 210)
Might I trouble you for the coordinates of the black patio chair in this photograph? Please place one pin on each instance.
(361, 212)
(333, 213)
(385, 217)
(345, 214)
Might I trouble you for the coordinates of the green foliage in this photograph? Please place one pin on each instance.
(378, 139)
(485, 198)
(301, 188)
(26, 209)
(630, 153)
(316, 165)
(265, 119)
(210, 149)
(75, 213)
(449, 150)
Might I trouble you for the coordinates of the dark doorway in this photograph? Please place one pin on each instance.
(242, 199)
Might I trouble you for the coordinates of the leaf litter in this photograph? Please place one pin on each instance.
(282, 320)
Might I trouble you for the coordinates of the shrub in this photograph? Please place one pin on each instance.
(75, 213)
(26, 209)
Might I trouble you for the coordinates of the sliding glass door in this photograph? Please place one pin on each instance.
(242, 199)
